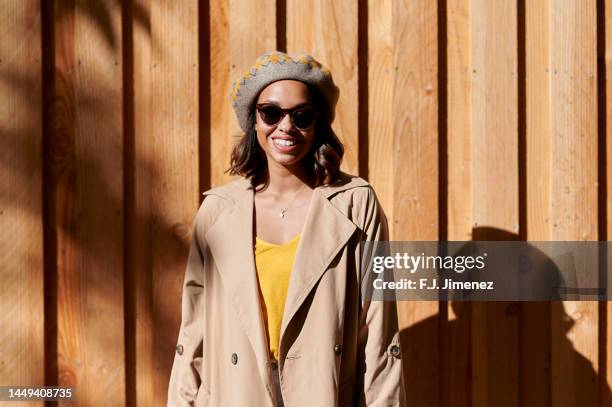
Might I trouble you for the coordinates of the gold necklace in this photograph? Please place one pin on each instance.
(283, 210)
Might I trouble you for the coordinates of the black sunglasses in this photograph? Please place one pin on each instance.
(301, 117)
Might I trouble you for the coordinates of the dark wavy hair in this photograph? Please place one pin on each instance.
(322, 162)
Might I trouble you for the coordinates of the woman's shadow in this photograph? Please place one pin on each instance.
(503, 353)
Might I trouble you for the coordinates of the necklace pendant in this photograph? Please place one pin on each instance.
(283, 210)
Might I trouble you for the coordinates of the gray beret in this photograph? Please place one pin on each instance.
(275, 66)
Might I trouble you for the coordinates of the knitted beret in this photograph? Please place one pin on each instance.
(274, 66)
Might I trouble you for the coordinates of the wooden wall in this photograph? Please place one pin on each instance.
(473, 119)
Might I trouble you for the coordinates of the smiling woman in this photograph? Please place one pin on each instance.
(272, 311)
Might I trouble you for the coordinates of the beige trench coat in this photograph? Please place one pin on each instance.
(335, 349)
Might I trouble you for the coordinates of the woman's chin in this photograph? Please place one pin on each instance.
(286, 160)
(288, 164)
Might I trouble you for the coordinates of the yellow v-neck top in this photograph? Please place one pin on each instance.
(274, 263)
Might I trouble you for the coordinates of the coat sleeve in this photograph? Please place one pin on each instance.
(186, 386)
(378, 336)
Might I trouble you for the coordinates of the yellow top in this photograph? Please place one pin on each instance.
(274, 263)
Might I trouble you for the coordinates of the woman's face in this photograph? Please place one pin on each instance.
(284, 143)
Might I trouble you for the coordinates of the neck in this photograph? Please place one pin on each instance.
(284, 181)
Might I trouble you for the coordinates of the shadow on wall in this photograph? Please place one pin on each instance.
(99, 13)
(510, 343)
(93, 231)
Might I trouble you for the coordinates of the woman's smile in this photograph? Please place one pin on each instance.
(286, 145)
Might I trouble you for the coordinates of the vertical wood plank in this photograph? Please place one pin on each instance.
(174, 199)
(538, 118)
(21, 245)
(456, 362)
(495, 189)
(459, 120)
(494, 114)
(87, 192)
(380, 103)
(415, 181)
(328, 31)
(415, 155)
(221, 113)
(140, 214)
(403, 124)
(240, 32)
(166, 179)
(535, 335)
(574, 190)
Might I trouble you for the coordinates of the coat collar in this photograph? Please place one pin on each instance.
(230, 239)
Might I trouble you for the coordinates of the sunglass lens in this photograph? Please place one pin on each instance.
(303, 119)
(271, 114)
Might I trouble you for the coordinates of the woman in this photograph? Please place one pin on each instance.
(272, 310)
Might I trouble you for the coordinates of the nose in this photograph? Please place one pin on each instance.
(285, 124)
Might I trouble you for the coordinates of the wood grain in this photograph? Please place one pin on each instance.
(456, 362)
(88, 196)
(535, 335)
(22, 349)
(171, 158)
(415, 181)
(458, 45)
(381, 72)
(140, 214)
(328, 30)
(574, 190)
(221, 112)
(494, 117)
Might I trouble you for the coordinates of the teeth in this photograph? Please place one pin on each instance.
(281, 142)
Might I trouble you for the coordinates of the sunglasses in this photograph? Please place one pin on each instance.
(301, 117)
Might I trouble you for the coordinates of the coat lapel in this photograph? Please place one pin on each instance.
(326, 231)
(230, 240)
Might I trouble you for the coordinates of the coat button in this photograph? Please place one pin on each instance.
(179, 349)
(234, 358)
(337, 349)
(395, 351)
